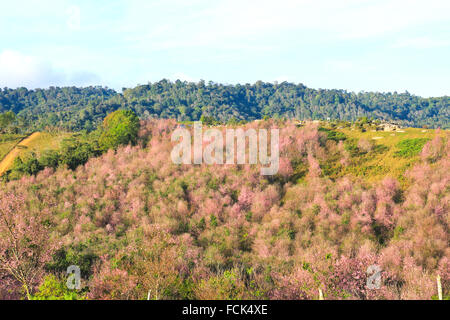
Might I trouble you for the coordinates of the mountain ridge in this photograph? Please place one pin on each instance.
(81, 108)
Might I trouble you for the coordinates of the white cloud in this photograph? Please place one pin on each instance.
(238, 22)
(17, 70)
(421, 43)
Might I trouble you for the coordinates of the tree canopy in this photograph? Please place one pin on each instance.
(119, 127)
(84, 108)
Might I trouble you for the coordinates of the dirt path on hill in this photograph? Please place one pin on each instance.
(9, 158)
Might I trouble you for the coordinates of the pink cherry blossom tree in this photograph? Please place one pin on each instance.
(24, 242)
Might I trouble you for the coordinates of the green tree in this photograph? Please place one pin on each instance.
(50, 158)
(54, 289)
(119, 128)
(208, 120)
(75, 153)
(7, 119)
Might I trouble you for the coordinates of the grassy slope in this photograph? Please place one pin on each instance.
(383, 161)
(8, 160)
(43, 141)
(7, 142)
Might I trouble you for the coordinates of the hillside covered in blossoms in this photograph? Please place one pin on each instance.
(140, 226)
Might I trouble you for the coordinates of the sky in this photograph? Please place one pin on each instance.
(362, 45)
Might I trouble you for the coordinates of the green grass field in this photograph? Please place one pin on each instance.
(45, 141)
(392, 154)
(7, 142)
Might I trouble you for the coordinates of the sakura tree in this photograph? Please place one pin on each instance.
(24, 242)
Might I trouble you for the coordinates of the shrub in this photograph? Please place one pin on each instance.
(410, 147)
(53, 288)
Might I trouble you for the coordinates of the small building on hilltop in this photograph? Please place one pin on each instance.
(388, 126)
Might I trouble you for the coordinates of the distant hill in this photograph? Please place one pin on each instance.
(83, 108)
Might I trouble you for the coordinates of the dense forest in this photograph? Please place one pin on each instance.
(75, 108)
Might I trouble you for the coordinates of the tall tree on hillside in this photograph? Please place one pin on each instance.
(119, 128)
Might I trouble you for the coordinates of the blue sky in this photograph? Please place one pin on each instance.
(354, 45)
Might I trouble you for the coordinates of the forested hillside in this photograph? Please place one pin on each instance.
(69, 107)
(140, 226)
(83, 108)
